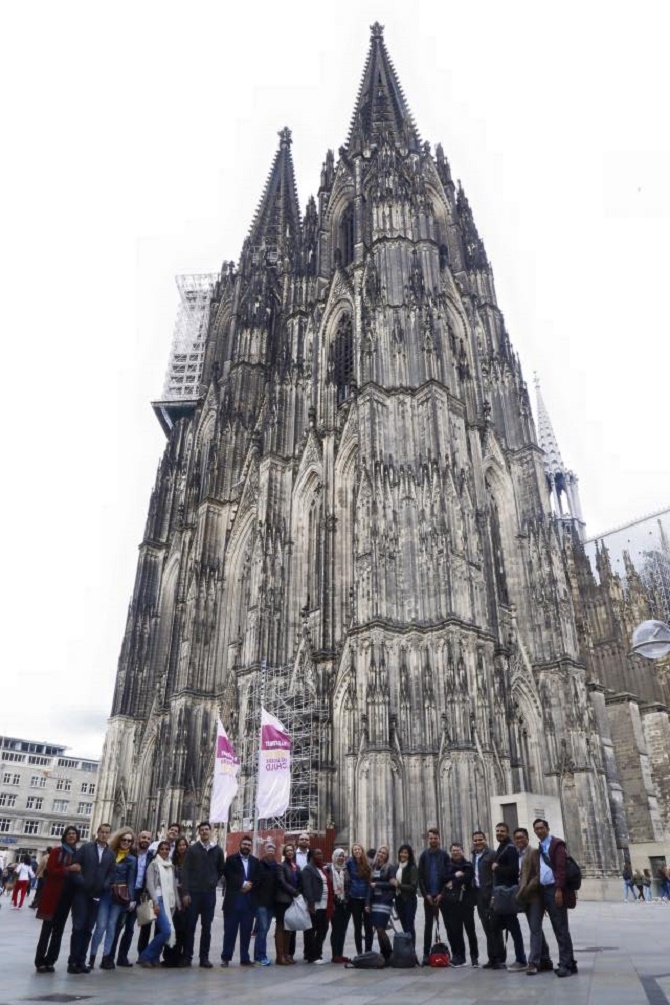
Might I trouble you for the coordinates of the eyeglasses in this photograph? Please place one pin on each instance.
(126, 840)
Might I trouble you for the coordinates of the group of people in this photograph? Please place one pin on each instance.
(113, 884)
(638, 883)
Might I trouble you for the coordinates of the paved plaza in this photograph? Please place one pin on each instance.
(621, 949)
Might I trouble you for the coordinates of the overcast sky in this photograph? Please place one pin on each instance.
(138, 137)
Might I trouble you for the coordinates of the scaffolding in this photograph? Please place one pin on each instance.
(292, 698)
(182, 380)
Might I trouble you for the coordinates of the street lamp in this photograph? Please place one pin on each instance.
(651, 639)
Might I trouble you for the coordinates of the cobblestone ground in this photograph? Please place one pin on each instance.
(621, 949)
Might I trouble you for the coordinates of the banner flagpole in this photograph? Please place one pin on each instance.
(261, 706)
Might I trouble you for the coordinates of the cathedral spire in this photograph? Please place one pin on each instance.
(381, 109)
(276, 223)
(563, 485)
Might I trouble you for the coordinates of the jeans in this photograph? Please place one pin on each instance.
(238, 916)
(315, 936)
(338, 930)
(84, 913)
(559, 922)
(152, 953)
(123, 937)
(264, 917)
(105, 924)
(361, 920)
(51, 935)
(202, 906)
(406, 908)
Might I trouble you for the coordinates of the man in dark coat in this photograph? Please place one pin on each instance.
(201, 872)
(557, 898)
(433, 875)
(92, 871)
(506, 873)
(239, 904)
(483, 858)
(459, 899)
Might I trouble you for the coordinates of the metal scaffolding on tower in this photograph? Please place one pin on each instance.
(292, 698)
(182, 380)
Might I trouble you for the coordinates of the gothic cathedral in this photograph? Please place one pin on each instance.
(355, 498)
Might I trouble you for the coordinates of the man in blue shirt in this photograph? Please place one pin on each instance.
(433, 875)
(557, 898)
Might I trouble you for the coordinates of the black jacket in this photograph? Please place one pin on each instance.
(507, 857)
(443, 861)
(312, 885)
(97, 874)
(235, 877)
(486, 879)
(202, 869)
(264, 892)
(286, 889)
(409, 882)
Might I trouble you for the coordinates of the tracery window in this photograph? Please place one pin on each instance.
(342, 358)
(346, 235)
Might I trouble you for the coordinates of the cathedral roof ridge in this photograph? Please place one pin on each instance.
(381, 107)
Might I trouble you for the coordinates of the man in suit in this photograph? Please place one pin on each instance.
(92, 871)
(530, 897)
(433, 876)
(556, 897)
(483, 858)
(201, 872)
(239, 905)
(506, 873)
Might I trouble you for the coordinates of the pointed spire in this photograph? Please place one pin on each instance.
(473, 246)
(276, 223)
(381, 109)
(553, 462)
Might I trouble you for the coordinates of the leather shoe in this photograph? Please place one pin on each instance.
(123, 963)
(562, 972)
(206, 964)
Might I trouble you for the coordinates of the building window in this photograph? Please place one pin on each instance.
(5, 825)
(84, 832)
(34, 759)
(89, 765)
(346, 235)
(84, 809)
(67, 762)
(37, 782)
(10, 755)
(63, 785)
(11, 779)
(88, 788)
(7, 799)
(60, 805)
(56, 829)
(34, 802)
(342, 357)
(31, 827)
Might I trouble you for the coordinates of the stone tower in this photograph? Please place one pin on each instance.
(355, 490)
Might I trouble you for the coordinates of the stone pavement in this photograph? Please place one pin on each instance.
(621, 949)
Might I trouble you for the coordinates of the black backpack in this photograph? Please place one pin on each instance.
(368, 961)
(573, 872)
(404, 954)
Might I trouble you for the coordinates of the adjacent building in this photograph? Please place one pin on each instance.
(358, 522)
(42, 790)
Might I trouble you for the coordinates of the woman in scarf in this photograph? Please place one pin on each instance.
(173, 954)
(113, 902)
(341, 910)
(381, 897)
(406, 885)
(162, 888)
(289, 883)
(55, 901)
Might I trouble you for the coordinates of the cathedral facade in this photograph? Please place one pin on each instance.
(356, 493)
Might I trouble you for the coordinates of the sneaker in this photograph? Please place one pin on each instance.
(474, 963)
(265, 962)
(457, 961)
(247, 963)
(319, 962)
(562, 972)
(531, 970)
(573, 968)
(224, 963)
(206, 964)
(518, 968)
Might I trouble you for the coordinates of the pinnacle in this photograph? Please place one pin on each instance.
(381, 111)
(553, 462)
(277, 218)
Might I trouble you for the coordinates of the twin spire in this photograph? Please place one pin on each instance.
(381, 113)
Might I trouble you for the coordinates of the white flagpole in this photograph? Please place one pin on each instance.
(261, 706)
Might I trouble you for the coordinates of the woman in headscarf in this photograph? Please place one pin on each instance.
(162, 888)
(55, 901)
(113, 902)
(341, 910)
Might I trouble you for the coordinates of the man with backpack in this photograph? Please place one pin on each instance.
(557, 896)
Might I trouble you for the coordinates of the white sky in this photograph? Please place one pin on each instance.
(138, 137)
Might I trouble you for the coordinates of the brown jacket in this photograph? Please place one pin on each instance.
(529, 881)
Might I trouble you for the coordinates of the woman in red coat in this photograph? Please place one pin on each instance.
(56, 901)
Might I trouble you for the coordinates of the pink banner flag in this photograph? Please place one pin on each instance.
(274, 769)
(225, 783)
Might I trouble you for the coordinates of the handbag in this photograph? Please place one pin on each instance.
(120, 894)
(504, 900)
(145, 912)
(297, 917)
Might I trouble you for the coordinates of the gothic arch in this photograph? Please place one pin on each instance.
(345, 515)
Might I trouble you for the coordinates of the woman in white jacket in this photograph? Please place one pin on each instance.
(161, 885)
